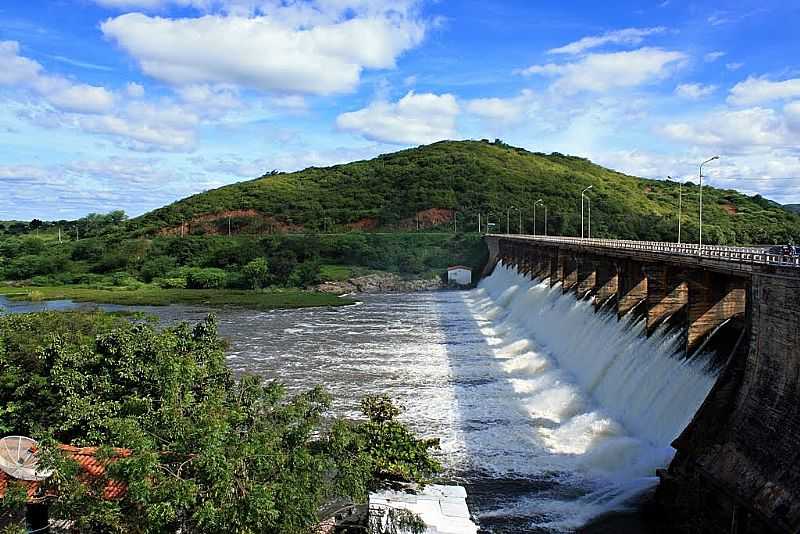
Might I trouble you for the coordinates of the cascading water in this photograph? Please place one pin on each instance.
(585, 406)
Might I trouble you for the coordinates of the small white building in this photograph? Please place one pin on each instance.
(459, 275)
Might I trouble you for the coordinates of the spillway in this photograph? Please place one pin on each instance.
(575, 407)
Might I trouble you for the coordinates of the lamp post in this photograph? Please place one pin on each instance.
(534, 216)
(700, 248)
(680, 202)
(519, 229)
(589, 209)
(545, 219)
(508, 219)
(582, 194)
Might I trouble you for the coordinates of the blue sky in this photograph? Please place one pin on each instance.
(132, 104)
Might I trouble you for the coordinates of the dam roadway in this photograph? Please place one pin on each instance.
(737, 464)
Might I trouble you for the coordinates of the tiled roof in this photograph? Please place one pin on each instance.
(92, 467)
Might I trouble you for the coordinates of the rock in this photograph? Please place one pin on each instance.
(380, 283)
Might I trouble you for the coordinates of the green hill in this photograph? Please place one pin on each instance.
(426, 187)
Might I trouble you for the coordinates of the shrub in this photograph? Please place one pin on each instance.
(205, 278)
(172, 283)
(256, 273)
(156, 267)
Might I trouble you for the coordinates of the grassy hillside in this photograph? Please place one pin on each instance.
(392, 191)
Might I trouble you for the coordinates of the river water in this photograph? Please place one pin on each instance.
(550, 414)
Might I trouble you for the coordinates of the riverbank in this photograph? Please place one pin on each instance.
(155, 296)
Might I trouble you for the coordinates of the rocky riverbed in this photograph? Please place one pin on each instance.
(380, 283)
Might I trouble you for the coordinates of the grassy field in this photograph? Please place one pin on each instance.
(154, 296)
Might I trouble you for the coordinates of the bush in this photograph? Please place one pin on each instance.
(205, 278)
(256, 273)
(306, 274)
(172, 283)
(88, 250)
(156, 267)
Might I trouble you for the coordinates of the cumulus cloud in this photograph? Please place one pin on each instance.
(414, 119)
(59, 92)
(761, 90)
(628, 36)
(694, 91)
(268, 53)
(504, 110)
(713, 56)
(604, 72)
(734, 66)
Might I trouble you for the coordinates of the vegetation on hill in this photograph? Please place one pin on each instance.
(413, 212)
(471, 177)
(208, 453)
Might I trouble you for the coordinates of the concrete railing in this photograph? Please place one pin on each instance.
(748, 255)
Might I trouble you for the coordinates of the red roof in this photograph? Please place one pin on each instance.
(454, 267)
(92, 467)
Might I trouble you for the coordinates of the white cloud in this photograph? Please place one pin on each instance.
(265, 52)
(604, 72)
(414, 119)
(694, 91)
(735, 130)
(61, 93)
(713, 56)
(147, 127)
(628, 36)
(734, 66)
(134, 90)
(760, 90)
(505, 110)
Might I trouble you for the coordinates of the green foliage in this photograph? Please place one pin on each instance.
(208, 453)
(484, 177)
(205, 278)
(396, 453)
(256, 273)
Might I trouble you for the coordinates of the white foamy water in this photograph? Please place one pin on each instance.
(571, 396)
(549, 413)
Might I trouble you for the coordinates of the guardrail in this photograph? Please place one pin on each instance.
(745, 255)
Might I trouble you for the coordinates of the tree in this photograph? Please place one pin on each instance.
(256, 273)
(208, 453)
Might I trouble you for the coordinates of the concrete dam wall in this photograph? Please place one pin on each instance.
(737, 464)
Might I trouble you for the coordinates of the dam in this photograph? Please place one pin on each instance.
(735, 430)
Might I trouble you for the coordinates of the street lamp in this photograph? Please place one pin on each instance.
(534, 216)
(680, 206)
(582, 194)
(545, 219)
(508, 219)
(700, 248)
(589, 209)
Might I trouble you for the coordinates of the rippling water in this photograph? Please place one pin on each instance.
(547, 423)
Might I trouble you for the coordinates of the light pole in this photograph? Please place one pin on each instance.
(508, 219)
(582, 194)
(519, 230)
(589, 209)
(680, 202)
(700, 248)
(534, 216)
(545, 219)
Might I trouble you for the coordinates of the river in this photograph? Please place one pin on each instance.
(547, 425)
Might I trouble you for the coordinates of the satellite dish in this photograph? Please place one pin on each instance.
(18, 458)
